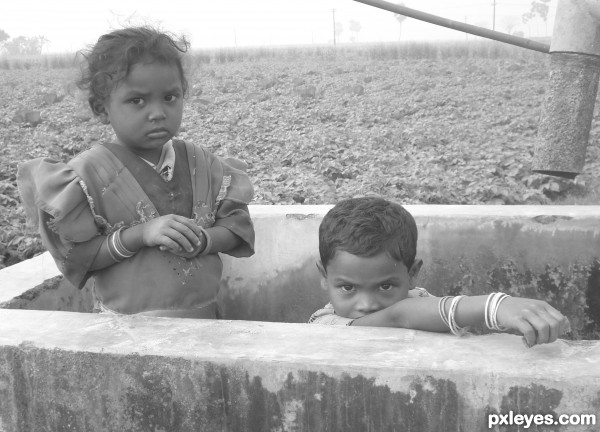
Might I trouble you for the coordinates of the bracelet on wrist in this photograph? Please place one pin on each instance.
(116, 249)
(208, 243)
(491, 310)
(450, 318)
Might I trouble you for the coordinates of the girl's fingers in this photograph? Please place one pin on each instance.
(190, 224)
(181, 239)
(169, 243)
(189, 229)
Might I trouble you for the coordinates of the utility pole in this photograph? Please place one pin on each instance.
(494, 20)
(333, 10)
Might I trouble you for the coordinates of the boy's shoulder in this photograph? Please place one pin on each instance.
(419, 292)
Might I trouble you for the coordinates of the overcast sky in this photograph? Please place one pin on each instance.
(70, 25)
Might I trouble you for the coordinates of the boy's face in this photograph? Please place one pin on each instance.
(145, 109)
(359, 286)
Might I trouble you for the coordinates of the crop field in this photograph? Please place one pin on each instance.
(424, 124)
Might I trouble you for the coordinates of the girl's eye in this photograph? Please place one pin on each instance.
(385, 287)
(171, 98)
(137, 101)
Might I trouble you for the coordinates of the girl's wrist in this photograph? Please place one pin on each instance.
(203, 248)
(132, 238)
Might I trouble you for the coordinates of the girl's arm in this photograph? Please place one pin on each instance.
(536, 320)
(175, 233)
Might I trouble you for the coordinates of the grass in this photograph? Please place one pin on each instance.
(372, 51)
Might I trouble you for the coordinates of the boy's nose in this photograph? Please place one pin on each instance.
(366, 304)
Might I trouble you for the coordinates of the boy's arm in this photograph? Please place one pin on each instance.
(536, 320)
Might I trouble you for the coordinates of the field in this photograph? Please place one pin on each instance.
(419, 124)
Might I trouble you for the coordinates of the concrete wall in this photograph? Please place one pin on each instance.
(546, 252)
(62, 371)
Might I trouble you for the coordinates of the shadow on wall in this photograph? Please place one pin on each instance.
(291, 296)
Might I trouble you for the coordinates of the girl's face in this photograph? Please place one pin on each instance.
(145, 108)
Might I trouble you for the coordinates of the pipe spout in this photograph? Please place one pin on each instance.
(568, 109)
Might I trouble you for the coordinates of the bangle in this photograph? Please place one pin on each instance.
(109, 247)
(121, 247)
(207, 247)
(117, 246)
(442, 309)
(454, 328)
(450, 318)
(491, 310)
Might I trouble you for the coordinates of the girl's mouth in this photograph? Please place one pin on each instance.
(158, 133)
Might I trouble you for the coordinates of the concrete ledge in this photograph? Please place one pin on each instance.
(74, 372)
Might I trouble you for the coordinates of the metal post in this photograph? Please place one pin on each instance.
(571, 91)
(457, 25)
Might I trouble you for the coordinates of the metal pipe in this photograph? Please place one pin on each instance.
(568, 109)
(457, 25)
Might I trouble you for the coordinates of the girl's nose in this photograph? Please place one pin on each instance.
(157, 112)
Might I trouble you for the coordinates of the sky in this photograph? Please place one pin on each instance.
(72, 25)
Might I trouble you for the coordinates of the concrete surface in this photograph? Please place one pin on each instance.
(62, 371)
(546, 252)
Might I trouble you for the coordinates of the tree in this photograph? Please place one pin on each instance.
(339, 29)
(539, 8)
(400, 19)
(3, 36)
(22, 45)
(510, 23)
(355, 28)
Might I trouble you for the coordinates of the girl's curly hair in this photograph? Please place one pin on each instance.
(115, 53)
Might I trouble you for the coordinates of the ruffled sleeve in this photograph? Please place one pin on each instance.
(232, 201)
(54, 200)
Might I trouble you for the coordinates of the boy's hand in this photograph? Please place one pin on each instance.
(177, 234)
(535, 319)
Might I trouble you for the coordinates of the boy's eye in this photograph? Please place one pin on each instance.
(385, 287)
(347, 288)
(171, 98)
(137, 101)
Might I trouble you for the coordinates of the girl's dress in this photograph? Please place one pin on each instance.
(76, 205)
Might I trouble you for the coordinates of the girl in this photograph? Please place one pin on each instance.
(146, 214)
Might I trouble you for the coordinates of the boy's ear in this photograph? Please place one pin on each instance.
(99, 110)
(323, 274)
(413, 272)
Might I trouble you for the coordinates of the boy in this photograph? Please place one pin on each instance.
(369, 268)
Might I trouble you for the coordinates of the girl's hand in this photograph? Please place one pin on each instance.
(175, 233)
(535, 319)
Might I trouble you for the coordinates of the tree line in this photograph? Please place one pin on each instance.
(21, 45)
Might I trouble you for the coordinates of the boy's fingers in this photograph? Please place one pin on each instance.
(563, 322)
(527, 331)
(541, 327)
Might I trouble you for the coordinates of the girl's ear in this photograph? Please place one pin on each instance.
(413, 272)
(323, 275)
(99, 110)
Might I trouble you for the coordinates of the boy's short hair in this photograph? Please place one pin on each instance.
(367, 226)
